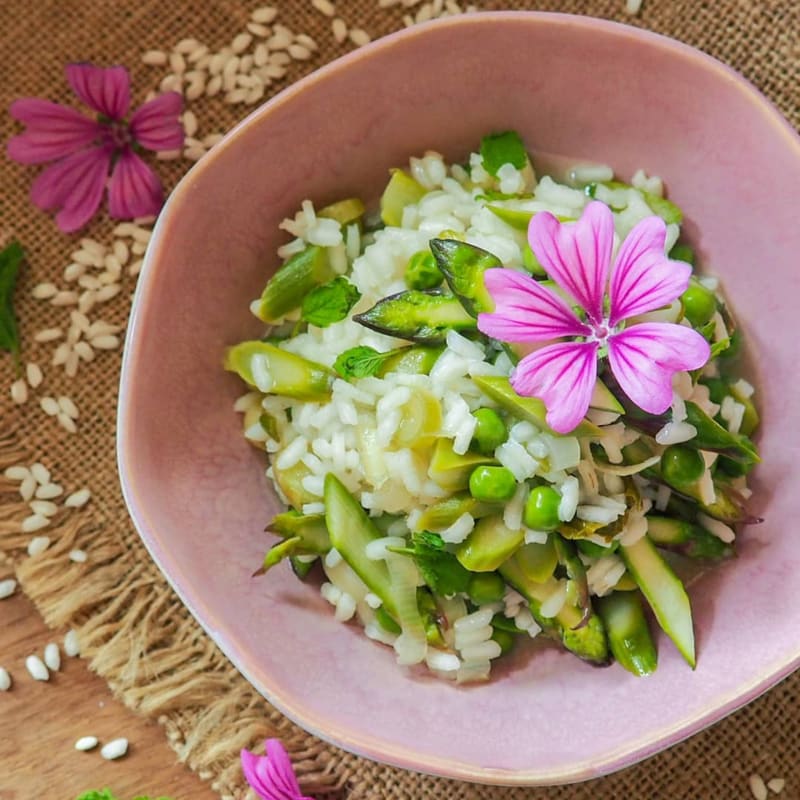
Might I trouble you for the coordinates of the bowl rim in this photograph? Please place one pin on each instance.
(349, 739)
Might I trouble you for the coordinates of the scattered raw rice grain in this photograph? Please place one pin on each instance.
(36, 668)
(84, 351)
(71, 365)
(214, 86)
(195, 89)
(274, 71)
(135, 268)
(241, 42)
(141, 235)
(68, 406)
(17, 472)
(154, 58)
(38, 544)
(78, 556)
(255, 94)
(89, 282)
(633, 7)
(246, 63)
(264, 14)
(171, 83)
(114, 749)
(306, 41)
(49, 406)
(189, 123)
(64, 298)
(257, 29)
(186, 45)
(107, 292)
(73, 335)
(44, 291)
(46, 508)
(339, 28)
(67, 423)
(216, 64)
(87, 258)
(7, 588)
(281, 59)
(279, 41)
(168, 155)
(40, 472)
(86, 302)
(5, 680)
(121, 252)
(78, 499)
(235, 96)
(111, 262)
(73, 271)
(33, 372)
(52, 657)
(27, 489)
(212, 139)
(776, 785)
(124, 229)
(49, 491)
(757, 787)
(86, 743)
(359, 37)
(61, 354)
(72, 645)
(19, 391)
(177, 63)
(299, 53)
(198, 54)
(48, 335)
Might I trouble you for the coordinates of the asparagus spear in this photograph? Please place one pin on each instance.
(628, 634)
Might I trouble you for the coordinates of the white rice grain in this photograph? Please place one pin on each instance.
(86, 743)
(49, 491)
(72, 645)
(757, 787)
(38, 544)
(19, 391)
(52, 657)
(7, 588)
(78, 556)
(459, 530)
(716, 527)
(439, 660)
(5, 680)
(485, 650)
(31, 524)
(36, 668)
(478, 619)
(114, 749)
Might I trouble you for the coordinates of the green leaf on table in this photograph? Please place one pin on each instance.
(360, 362)
(98, 794)
(440, 569)
(503, 148)
(330, 302)
(10, 260)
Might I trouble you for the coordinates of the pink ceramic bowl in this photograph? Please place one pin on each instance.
(197, 492)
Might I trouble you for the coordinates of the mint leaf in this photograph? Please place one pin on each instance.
(330, 302)
(503, 148)
(98, 794)
(10, 259)
(360, 362)
(440, 569)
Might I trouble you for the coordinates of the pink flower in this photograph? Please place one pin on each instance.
(642, 356)
(271, 776)
(85, 150)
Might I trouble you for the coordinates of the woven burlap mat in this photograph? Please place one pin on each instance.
(134, 631)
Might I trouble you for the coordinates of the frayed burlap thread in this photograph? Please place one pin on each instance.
(134, 632)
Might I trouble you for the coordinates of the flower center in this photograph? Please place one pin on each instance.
(600, 331)
(118, 134)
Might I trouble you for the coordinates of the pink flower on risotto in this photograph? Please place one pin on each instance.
(271, 775)
(577, 256)
(85, 150)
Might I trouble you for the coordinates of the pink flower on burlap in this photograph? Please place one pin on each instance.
(271, 776)
(642, 356)
(86, 150)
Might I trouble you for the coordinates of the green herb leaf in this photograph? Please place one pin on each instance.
(503, 148)
(440, 569)
(720, 347)
(98, 794)
(329, 303)
(360, 362)
(10, 259)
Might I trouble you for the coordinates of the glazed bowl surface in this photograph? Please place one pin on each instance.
(573, 87)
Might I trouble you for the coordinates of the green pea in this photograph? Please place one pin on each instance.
(682, 252)
(505, 639)
(422, 272)
(531, 263)
(486, 587)
(490, 431)
(681, 465)
(541, 509)
(699, 304)
(492, 484)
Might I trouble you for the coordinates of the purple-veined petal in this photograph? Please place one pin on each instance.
(562, 375)
(271, 776)
(134, 190)
(576, 255)
(643, 278)
(75, 185)
(106, 90)
(644, 357)
(156, 126)
(53, 131)
(525, 311)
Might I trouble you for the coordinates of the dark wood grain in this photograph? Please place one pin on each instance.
(40, 723)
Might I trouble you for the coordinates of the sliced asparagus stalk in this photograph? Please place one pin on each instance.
(628, 634)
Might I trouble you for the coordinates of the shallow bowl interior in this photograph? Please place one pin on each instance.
(572, 86)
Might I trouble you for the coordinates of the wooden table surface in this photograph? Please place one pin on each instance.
(42, 721)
